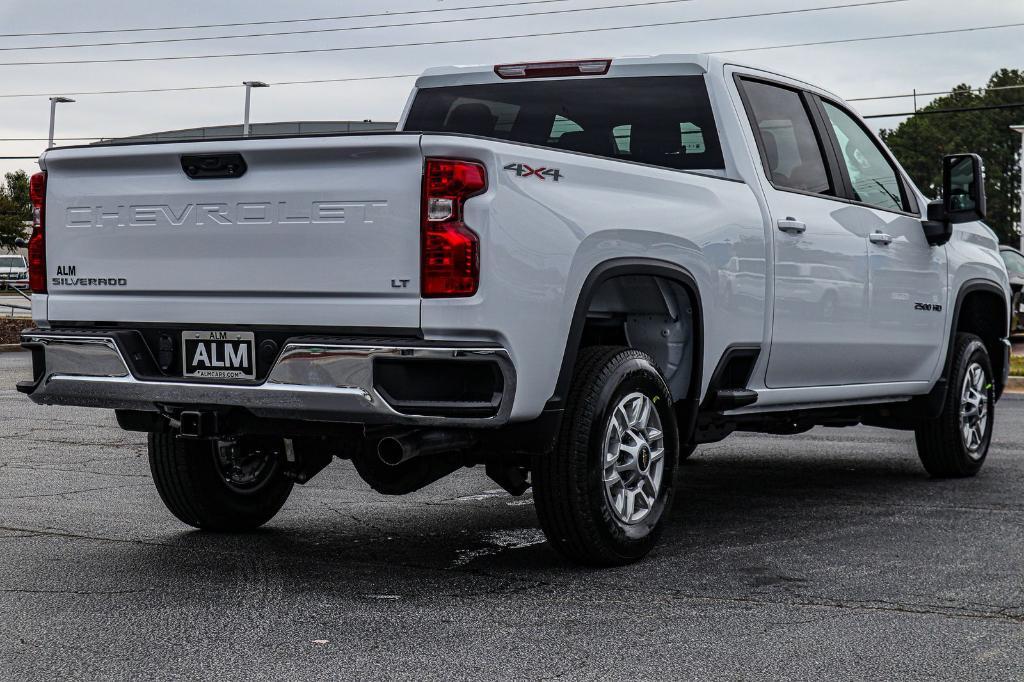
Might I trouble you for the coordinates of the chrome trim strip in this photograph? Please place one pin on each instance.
(325, 382)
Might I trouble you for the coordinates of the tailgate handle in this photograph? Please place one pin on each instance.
(211, 166)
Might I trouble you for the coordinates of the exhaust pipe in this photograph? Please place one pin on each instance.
(394, 450)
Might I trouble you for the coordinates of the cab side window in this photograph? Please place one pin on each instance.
(791, 150)
(874, 179)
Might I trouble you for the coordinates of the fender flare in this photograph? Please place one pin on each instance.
(937, 397)
(620, 267)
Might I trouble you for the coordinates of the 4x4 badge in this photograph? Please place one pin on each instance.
(523, 171)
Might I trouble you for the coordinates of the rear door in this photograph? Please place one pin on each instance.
(320, 232)
(820, 331)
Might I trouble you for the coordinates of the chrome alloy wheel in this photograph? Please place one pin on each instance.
(974, 410)
(634, 458)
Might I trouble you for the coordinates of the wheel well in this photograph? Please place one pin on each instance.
(651, 313)
(983, 313)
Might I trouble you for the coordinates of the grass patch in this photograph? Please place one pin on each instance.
(10, 329)
(1017, 365)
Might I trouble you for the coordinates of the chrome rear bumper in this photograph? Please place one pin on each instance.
(319, 381)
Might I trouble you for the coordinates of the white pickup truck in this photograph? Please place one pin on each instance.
(572, 273)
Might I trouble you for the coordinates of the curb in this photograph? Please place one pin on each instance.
(11, 348)
(1015, 385)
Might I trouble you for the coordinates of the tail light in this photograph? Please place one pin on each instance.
(37, 242)
(450, 250)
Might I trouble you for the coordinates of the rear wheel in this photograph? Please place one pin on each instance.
(956, 443)
(219, 485)
(602, 497)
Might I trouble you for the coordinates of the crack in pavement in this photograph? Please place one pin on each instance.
(857, 605)
(44, 469)
(84, 593)
(71, 492)
(81, 443)
(57, 533)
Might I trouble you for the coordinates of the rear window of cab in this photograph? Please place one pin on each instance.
(658, 120)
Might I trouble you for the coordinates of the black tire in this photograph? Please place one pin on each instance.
(941, 443)
(569, 490)
(193, 488)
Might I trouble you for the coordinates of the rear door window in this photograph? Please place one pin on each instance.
(663, 121)
(790, 148)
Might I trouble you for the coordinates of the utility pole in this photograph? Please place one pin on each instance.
(249, 85)
(54, 101)
(1020, 223)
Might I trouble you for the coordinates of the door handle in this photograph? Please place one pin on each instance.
(880, 238)
(792, 226)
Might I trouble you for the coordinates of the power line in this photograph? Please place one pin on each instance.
(865, 39)
(414, 75)
(956, 110)
(937, 92)
(571, 10)
(279, 21)
(524, 35)
(209, 87)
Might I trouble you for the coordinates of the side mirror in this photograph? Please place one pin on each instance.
(963, 197)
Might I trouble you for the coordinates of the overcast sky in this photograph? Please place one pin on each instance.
(851, 70)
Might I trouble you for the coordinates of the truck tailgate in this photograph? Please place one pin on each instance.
(316, 232)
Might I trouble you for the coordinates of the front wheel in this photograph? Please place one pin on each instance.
(219, 485)
(955, 444)
(603, 495)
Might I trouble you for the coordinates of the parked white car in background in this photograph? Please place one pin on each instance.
(13, 272)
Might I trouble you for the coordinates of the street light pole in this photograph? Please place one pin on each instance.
(249, 85)
(1020, 225)
(54, 101)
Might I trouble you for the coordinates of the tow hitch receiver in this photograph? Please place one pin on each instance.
(198, 424)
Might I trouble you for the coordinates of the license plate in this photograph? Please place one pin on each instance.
(219, 355)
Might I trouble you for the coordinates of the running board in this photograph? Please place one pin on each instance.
(733, 399)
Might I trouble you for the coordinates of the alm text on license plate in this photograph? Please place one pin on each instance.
(219, 354)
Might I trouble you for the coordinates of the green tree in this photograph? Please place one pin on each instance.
(15, 208)
(922, 140)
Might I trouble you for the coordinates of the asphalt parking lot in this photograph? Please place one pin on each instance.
(829, 554)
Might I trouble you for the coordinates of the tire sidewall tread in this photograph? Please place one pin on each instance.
(939, 441)
(568, 488)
